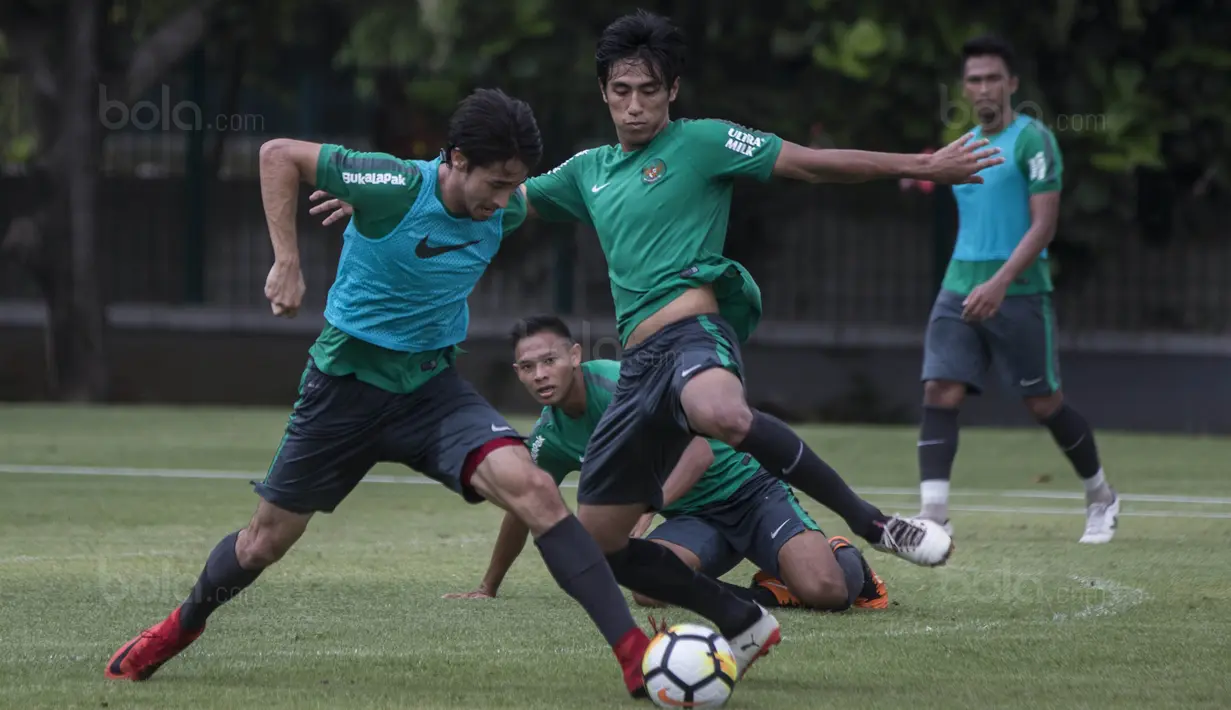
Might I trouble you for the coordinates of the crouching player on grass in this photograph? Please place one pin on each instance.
(720, 506)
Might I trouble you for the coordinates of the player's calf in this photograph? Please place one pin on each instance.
(234, 564)
(1075, 438)
(503, 474)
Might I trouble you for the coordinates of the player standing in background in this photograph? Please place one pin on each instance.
(380, 383)
(994, 307)
(721, 507)
(659, 201)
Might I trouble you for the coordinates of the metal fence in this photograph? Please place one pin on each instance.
(848, 257)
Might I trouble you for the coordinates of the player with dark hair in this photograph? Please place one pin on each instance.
(994, 307)
(720, 506)
(380, 383)
(659, 201)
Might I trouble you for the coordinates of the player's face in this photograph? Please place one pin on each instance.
(638, 101)
(988, 85)
(545, 363)
(489, 188)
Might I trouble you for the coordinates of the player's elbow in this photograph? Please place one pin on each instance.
(279, 155)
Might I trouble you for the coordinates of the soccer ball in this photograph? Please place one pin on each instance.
(689, 666)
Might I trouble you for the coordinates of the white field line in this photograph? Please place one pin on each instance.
(870, 491)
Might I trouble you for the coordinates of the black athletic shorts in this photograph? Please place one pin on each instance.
(644, 431)
(340, 428)
(753, 524)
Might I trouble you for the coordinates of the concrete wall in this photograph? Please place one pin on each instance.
(841, 381)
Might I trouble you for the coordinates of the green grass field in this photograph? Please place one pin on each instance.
(106, 516)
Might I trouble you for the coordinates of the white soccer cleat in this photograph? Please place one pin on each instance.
(756, 641)
(919, 540)
(1101, 522)
(946, 524)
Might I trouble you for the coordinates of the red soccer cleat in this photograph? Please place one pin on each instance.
(140, 657)
(630, 652)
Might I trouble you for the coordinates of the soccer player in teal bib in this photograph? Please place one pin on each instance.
(659, 200)
(380, 383)
(720, 505)
(994, 308)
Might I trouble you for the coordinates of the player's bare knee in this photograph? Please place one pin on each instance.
(714, 403)
(943, 394)
(727, 421)
(821, 592)
(1043, 408)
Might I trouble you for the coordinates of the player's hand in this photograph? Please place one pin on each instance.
(284, 287)
(334, 207)
(480, 593)
(984, 301)
(960, 162)
(642, 526)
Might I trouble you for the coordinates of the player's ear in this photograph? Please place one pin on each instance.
(602, 90)
(675, 89)
(458, 159)
(1013, 83)
(575, 354)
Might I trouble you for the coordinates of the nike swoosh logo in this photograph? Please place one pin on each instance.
(501, 428)
(424, 251)
(930, 442)
(1027, 383)
(774, 534)
(690, 370)
(596, 188)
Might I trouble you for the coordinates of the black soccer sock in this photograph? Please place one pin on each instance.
(937, 446)
(578, 566)
(221, 580)
(757, 594)
(1075, 438)
(654, 571)
(850, 559)
(787, 457)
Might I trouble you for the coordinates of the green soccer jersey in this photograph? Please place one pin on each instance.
(994, 216)
(661, 214)
(382, 189)
(558, 444)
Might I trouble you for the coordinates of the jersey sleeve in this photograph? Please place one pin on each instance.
(514, 213)
(721, 149)
(548, 455)
(1038, 157)
(601, 377)
(556, 195)
(380, 187)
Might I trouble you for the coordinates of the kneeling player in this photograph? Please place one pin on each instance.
(380, 383)
(721, 506)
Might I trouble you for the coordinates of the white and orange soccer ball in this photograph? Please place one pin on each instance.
(689, 666)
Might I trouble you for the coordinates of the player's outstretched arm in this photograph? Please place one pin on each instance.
(509, 544)
(284, 163)
(693, 464)
(957, 163)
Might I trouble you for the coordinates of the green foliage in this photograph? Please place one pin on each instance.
(440, 47)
